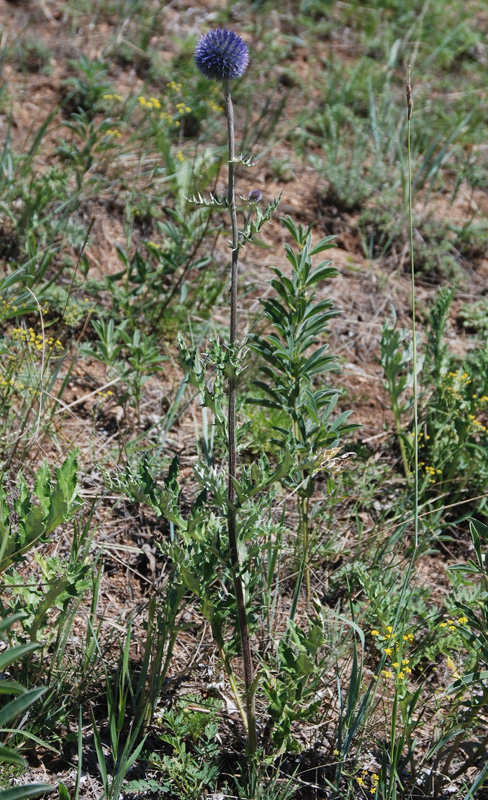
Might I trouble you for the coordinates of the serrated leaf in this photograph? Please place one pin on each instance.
(42, 487)
(22, 504)
(191, 582)
(67, 478)
(58, 511)
(31, 528)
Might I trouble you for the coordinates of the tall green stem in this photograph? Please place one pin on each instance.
(414, 335)
(399, 431)
(303, 534)
(402, 602)
(231, 516)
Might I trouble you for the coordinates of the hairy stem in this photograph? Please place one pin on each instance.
(231, 518)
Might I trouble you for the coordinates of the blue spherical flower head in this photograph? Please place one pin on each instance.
(255, 196)
(221, 55)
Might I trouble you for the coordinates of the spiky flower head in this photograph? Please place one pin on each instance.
(255, 196)
(221, 55)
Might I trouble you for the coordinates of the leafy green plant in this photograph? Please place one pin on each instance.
(90, 145)
(132, 357)
(30, 522)
(349, 184)
(192, 767)
(475, 615)
(453, 437)
(33, 55)
(292, 688)
(468, 693)
(87, 86)
(124, 745)
(12, 710)
(162, 629)
(292, 366)
(261, 782)
(49, 604)
(159, 278)
(452, 411)
(28, 378)
(474, 316)
(14, 301)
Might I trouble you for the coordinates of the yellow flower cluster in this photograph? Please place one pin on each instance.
(430, 472)
(115, 133)
(461, 376)
(179, 155)
(450, 624)
(215, 106)
(35, 340)
(6, 306)
(420, 435)
(399, 669)
(477, 424)
(153, 102)
(362, 780)
(18, 385)
(112, 97)
(460, 380)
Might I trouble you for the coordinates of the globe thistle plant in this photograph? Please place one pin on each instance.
(255, 196)
(223, 55)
